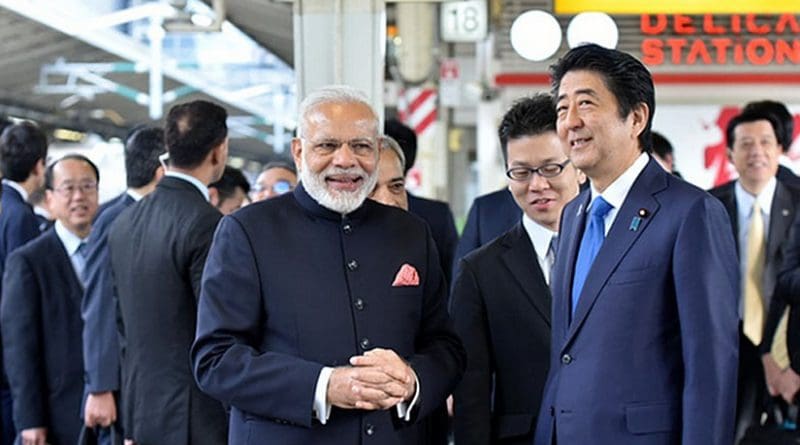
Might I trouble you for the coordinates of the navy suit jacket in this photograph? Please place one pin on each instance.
(501, 311)
(443, 228)
(650, 355)
(490, 216)
(101, 351)
(18, 225)
(290, 287)
(109, 204)
(41, 322)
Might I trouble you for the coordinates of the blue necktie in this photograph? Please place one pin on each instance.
(593, 238)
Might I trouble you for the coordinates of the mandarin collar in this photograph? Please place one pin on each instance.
(308, 203)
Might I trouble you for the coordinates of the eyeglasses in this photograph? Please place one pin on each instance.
(68, 190)
(279, 187)
(360, 147)
(545, 171)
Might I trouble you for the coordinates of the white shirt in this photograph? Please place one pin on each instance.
(744, 208)
(136, 196)
(16, 186)
(192, 180)
(617, 191)
(540, 238)
(71, 243)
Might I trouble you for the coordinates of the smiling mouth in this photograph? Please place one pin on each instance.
(578, 143)
(541, 201)
(344, 182)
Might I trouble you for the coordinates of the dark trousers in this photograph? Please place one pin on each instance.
(751, 387)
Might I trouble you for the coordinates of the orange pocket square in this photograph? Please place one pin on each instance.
(406, 276)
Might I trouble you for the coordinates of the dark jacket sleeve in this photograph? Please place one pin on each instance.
(20, 318)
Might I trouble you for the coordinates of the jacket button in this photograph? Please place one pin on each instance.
(347, 228)
(352, 265)
(369, 429)
(566, 359)
(364, 343)
(359, 304)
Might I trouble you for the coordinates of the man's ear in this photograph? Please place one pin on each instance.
(297, 153)
(641, 115)
(213, 196)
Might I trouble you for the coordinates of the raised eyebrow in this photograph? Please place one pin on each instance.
(397, 180)
(578, 92)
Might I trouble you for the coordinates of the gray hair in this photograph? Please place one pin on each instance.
(331, 94)
(389, 143)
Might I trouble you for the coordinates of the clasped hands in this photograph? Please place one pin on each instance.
(377, 380)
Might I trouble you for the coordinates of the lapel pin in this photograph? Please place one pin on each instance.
(635, 222)
(643, 213)
(785, 212)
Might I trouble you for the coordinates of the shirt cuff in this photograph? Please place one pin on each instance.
(321, 406)
(404, 409)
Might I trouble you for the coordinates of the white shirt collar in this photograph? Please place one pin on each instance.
(617, 191)
(18, 187)
(540, 235)
(745, 201)
(192, 180)
(70, 241)
(134, 195)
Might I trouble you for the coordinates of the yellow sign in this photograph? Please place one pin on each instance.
(678, 6)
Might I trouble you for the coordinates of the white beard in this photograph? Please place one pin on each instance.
(338, 201)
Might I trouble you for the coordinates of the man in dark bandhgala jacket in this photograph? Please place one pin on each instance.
(322, 317)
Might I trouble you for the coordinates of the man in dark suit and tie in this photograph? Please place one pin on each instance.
(646, 282)
(40, 312)
(322, 317)
(761, 210)
(500, 299)
(23, 151)
(101, 351)
(157, 249)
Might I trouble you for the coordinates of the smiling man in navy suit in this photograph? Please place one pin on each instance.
(646, 281)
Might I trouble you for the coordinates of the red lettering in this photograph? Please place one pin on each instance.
(647, 26)
(698, 49)
(787, 20)
(760, 51)
(736, 24)
(652, 52)
(738, 53)
(676, 46)
(683, 24)
(709, 27)
(785, 51)
(721, 47)
(753, 27)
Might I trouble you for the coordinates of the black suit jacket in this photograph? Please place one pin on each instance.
(41, 322)
(18, 225)
(782, 213)
(786, 293)
(787, 176)
(443, 228)
(501, 309)
(158, 247)
(490, 216)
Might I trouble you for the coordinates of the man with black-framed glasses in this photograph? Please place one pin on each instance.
(500, 301)
(41, 310)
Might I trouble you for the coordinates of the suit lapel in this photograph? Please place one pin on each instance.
(569, 242)
(67, 270)
(620, 238)
(780, 218)
(521, 261)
